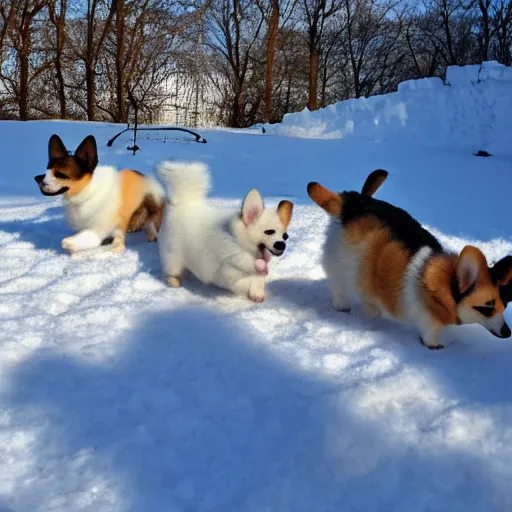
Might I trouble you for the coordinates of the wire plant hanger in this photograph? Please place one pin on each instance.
(135, 128)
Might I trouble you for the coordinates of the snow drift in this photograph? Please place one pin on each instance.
(470, 110)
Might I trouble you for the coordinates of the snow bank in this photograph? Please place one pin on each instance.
(470, 110)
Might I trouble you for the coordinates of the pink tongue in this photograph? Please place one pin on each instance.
(266, 255)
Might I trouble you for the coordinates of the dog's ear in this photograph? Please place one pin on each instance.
(325, 198)
(252, 207)
(56, 148)
(471, 264)
(88, 152)
(501, 272)
(284, 210)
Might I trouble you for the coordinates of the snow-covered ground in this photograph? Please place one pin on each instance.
(118, 393)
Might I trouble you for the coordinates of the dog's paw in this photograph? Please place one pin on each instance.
(261, 267)
(436, 346)
(257, 290)
(371, 311)
(68, 244)
(343, 307)
(174, 282)
(117, 246)
(152, 239)
(256, 297)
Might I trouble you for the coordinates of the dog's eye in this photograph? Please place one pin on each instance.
(60, 175)
(270, 231)
(487, 309)
(285, 236)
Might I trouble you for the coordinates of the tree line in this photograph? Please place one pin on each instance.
(258, 59)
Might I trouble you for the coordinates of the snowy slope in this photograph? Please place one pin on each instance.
(120, 394)
(470, 110)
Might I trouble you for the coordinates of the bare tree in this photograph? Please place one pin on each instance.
(121, 116)
(502, 29)
(57, 10)
(278, 14)
(317, 14)
(97, 28)
(19, 20)
(235, 28)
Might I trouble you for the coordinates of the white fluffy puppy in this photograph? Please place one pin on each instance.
(229, 251)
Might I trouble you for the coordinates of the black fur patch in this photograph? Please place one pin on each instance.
(58, 193)
(456, 293)
(506, 293)
(403, 228)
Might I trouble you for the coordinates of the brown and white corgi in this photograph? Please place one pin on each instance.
(378, 253)
(100, 202)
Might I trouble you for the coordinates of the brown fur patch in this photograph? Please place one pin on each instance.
(75, 186)
(137, 207)
(132, 196)
(436, 289)
(482, 294)
(383, 262)
(360, 229)
(373, 182)
(325, 198)
(285, 210)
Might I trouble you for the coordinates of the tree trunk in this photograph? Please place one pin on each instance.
(486, 29)
(323, 93)
(58, 63)
(273, 27)
(89, 61)
(61, 87)
(120, 76)
(313, 80)
(237, 120)
(90, 83)
(24, 71)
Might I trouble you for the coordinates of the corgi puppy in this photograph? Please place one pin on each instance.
(100, 202)
(378, 253)
(230, 251)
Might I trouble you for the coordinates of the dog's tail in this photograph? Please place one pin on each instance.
(186, 182)
(332, 202)
(373, 182)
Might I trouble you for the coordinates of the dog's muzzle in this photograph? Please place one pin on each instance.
(504, 332)
(39, 180)
(278, 248)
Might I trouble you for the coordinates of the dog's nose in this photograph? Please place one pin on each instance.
(505, 331)
(39, 178)
(280, 246)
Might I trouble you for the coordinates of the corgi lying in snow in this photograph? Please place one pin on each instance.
(231, 251)
(398, 269)
(100, 202)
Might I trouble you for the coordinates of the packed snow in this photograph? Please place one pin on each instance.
(471, 109)
(118, 393)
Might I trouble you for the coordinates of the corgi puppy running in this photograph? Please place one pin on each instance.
(230, 251)
(379, 253)
(99, 201)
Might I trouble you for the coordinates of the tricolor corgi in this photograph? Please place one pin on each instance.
(100, 202)
(230, 251)
(378, 253)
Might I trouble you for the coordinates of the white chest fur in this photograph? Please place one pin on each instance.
(96, 206)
